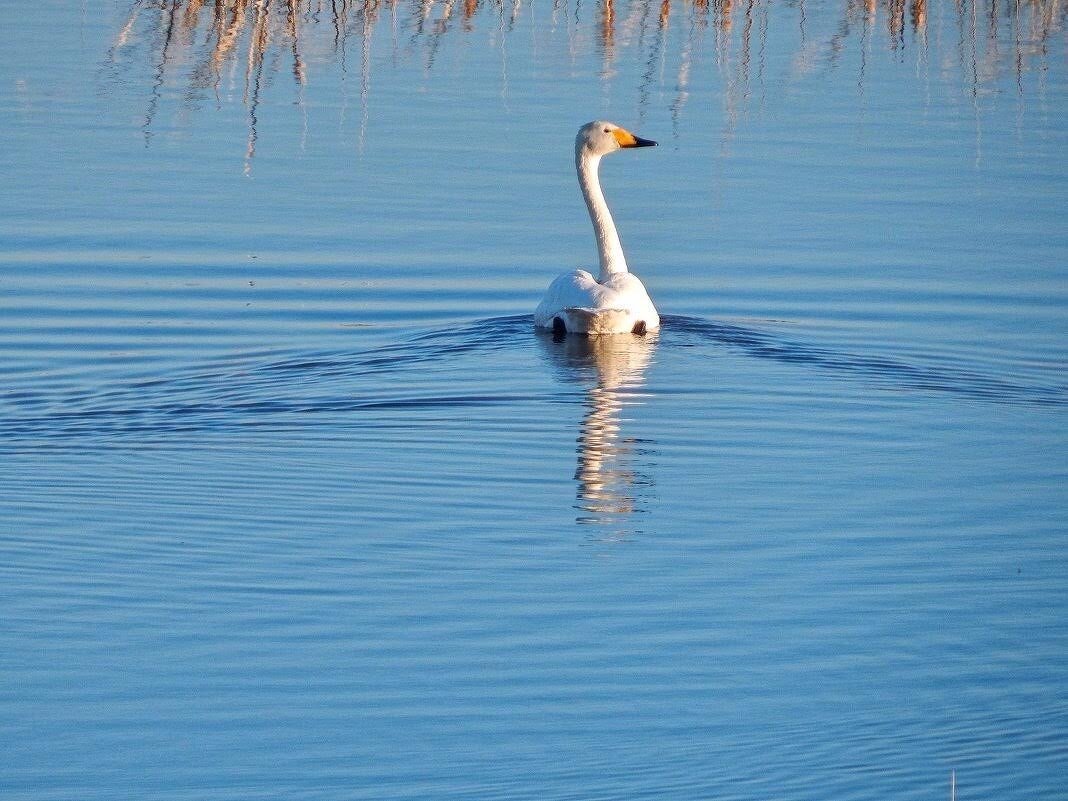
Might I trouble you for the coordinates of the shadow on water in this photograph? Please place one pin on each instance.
(293, 392)
(199, 52)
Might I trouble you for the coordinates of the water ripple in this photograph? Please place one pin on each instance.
(275, 392)
(959, 380)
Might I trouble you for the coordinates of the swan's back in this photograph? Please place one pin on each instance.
(580, 304)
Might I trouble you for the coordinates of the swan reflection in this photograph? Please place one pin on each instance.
(613, 483)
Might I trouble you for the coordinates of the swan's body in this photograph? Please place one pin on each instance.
(616, 301)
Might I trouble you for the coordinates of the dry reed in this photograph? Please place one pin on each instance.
(210, 44)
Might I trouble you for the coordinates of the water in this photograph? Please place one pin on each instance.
(295, 503)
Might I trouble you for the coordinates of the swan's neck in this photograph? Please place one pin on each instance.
(608, 246)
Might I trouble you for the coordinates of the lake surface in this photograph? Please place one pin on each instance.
(294, 503)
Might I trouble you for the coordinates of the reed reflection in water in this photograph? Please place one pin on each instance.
(215, 48)
(612, 475)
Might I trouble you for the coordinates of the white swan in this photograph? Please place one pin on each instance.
(616, 301)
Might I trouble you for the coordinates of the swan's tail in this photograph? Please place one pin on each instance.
(580, 320)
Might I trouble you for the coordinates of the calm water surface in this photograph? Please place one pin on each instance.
(295, 503)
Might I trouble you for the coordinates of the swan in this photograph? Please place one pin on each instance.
(616, 301)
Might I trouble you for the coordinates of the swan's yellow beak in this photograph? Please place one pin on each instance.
(627, 139)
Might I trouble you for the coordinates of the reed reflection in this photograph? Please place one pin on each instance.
(613, 483)
(200, 50)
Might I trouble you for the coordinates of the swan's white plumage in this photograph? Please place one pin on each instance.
(588, 306)
(616, 301)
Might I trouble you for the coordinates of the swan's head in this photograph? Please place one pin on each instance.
(598, 138)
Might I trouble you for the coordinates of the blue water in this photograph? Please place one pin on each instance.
(295, 503)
